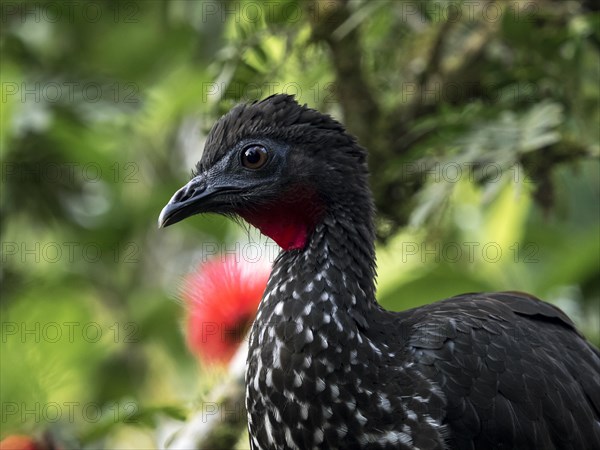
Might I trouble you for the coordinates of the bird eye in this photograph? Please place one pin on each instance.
(254, 157)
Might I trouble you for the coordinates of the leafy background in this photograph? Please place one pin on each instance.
(481, 119)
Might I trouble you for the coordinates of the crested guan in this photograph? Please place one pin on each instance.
(327, 366)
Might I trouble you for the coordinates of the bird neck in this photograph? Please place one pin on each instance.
(334, 273)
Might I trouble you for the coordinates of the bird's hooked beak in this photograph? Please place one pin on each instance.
(184, 203)
(196, 197)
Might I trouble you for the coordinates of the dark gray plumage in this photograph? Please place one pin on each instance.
(327, 366)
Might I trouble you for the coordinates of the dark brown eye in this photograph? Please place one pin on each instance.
(254, 157)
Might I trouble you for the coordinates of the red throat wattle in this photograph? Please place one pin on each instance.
(290, 221)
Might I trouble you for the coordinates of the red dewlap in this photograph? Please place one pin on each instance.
(289, 221)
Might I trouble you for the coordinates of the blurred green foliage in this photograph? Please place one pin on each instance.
(481, 121)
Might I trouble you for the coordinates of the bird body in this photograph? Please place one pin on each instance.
(327, 366)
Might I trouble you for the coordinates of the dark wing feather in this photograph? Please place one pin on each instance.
(515, 372)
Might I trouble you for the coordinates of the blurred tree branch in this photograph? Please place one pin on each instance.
(392, 135)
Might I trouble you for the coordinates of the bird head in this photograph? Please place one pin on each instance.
(279, 165)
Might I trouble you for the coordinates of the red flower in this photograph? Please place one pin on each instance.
(222, 296)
